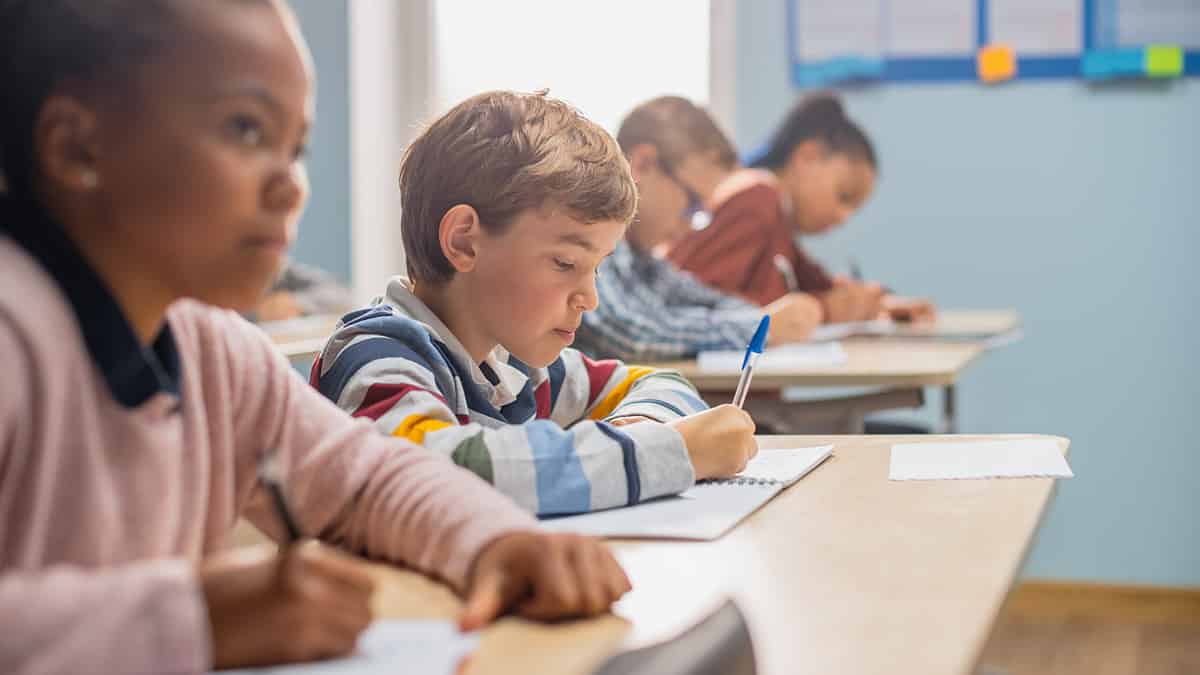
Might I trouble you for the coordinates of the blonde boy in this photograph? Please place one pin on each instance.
(509, 204)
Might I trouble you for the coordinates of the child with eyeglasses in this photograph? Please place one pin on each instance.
(648, 309)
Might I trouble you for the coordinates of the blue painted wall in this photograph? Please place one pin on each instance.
(1080, 206)
(324, 238)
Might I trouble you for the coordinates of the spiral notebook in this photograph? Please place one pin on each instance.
(707, 510)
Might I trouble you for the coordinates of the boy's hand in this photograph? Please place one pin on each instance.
(632, 419)
(542, 576)
(793, 318)
(852, 301)
(302, 603)
(720, 441)
(906, 310)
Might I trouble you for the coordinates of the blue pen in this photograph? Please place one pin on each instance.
(752, 353)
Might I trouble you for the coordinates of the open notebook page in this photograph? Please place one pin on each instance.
(707, 510)
(782, 465)
(388, 647)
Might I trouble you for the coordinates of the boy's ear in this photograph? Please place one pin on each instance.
(459, 234)
(643, 159)
(65, 142)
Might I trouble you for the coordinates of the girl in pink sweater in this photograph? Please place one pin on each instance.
(152, 159)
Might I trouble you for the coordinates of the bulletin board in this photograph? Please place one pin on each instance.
(831, 41)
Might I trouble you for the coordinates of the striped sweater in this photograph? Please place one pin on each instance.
(540, 435)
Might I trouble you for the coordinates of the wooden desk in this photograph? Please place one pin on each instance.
(907, 364)
(873, 362)
(301, 339)
(917, 356)
(965, 323)
(845, 572)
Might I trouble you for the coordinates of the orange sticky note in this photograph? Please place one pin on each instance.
(996, 63)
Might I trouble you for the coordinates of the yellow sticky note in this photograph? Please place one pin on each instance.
(996, 63)
(1164, 61)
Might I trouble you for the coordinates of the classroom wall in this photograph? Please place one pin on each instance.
(1080, 206)
(324, 238)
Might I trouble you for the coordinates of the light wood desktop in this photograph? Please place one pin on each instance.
(916, 356)
(875, 362)
(964, 323)
(845, 572)
(301, 339)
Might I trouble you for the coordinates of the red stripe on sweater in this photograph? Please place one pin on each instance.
(381, 398)
(314, 374)
(599, 373)
(541, 396)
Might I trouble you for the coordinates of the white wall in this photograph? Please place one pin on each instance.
(593, 55)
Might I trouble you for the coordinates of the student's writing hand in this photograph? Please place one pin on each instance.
(632, 419)
(852, 301)
(303, 603)
(908, 309)
(720, 440)
(793, 318)
(544, 577)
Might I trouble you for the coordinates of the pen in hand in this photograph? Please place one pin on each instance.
(271, 476)
(753, 351)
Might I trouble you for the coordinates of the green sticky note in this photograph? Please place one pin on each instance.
(1164, 61)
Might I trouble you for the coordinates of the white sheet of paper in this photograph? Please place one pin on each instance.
(785, 465)
(776, 359)
(388, 647)
(1146, 22)
(930, 27)
(704, 512)
(1037, 458)
(833, 28)
(837, 331)
(1039, 27)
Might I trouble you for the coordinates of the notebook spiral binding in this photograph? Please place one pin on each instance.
(739, 481)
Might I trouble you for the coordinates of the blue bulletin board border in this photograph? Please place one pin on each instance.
(945, 69)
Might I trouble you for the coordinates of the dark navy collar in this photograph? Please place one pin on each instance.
(134, 373)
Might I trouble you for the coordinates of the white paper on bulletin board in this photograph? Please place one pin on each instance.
(1135, 23)
(827, 29)
(1041, 27)
(922, 28)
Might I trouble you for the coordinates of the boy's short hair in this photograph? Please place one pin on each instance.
(677, 128)
(503, 153)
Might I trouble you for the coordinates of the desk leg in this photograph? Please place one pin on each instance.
(949, 410)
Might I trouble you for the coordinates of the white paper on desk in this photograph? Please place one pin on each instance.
(388, 647)
(783, 465)
(776, 359)
(707, 510)
(827, 332)
(1038, 458)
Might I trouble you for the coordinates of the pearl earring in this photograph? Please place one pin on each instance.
(90, 180)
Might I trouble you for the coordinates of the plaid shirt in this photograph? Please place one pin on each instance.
(651, 311)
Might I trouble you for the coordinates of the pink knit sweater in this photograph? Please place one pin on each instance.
(104, 510)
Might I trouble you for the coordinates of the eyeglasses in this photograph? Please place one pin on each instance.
(694, 211)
